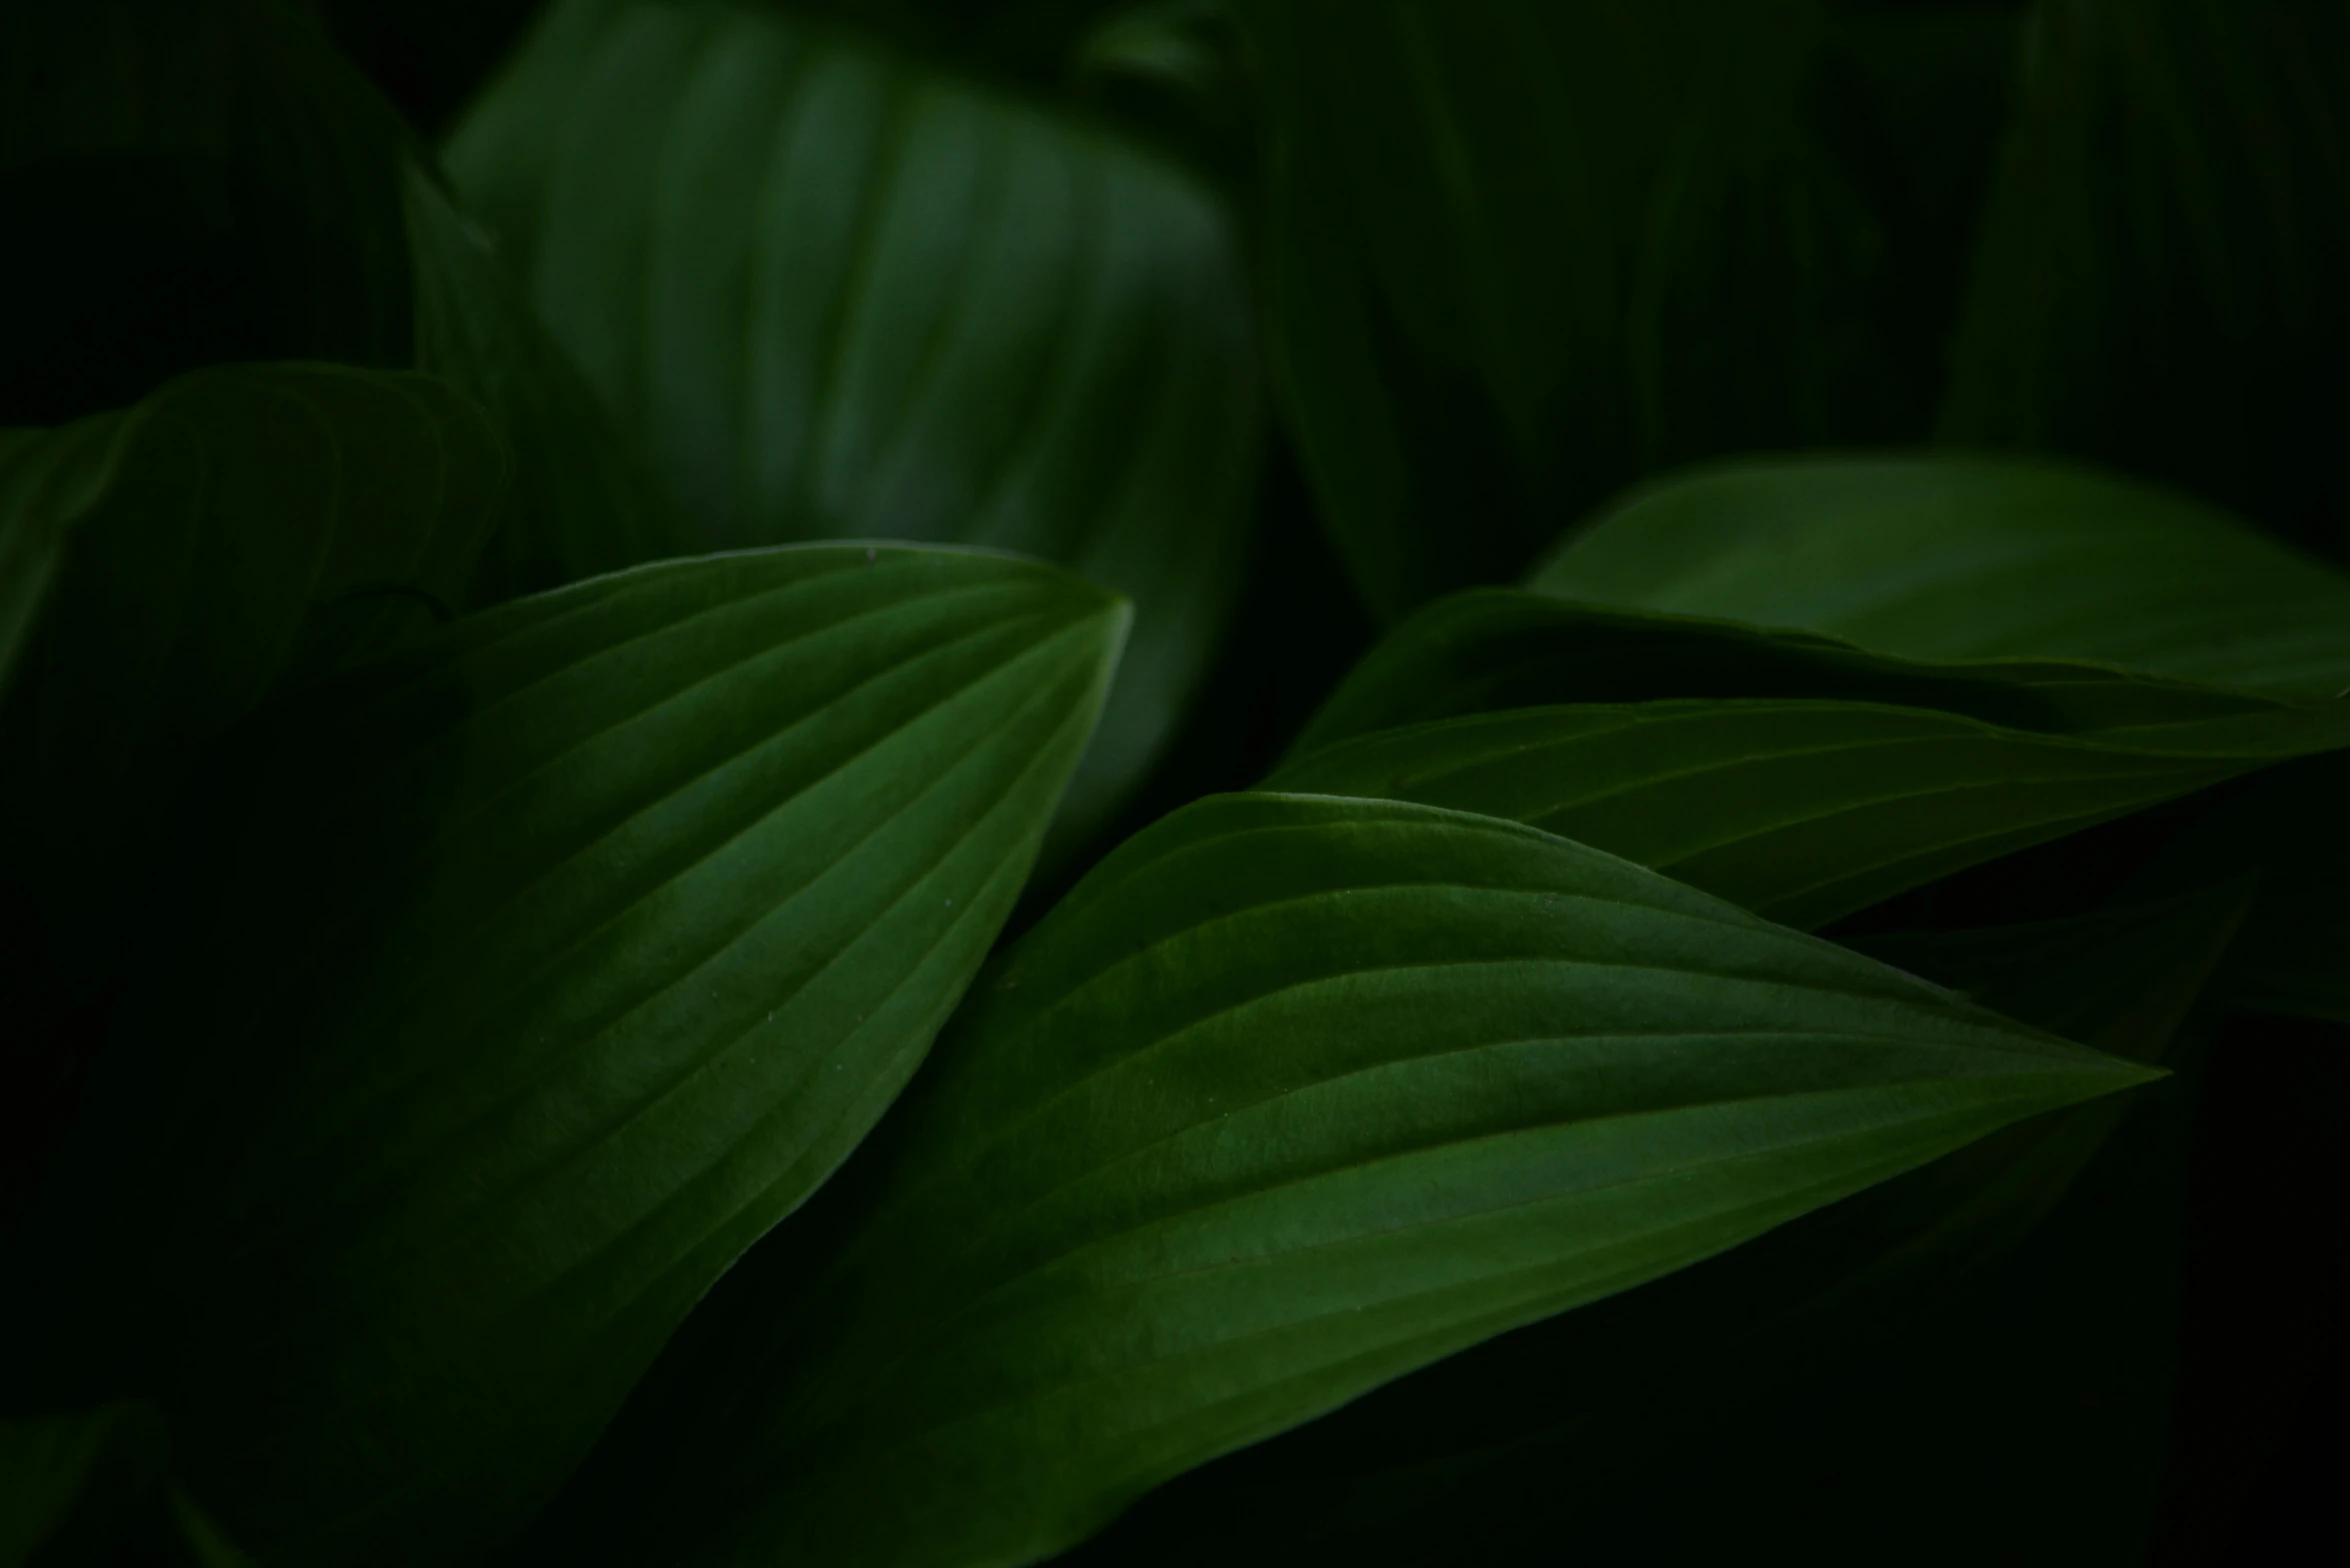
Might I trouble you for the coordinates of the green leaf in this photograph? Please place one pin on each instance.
(1521, 252)
(1469, 1459)
(1946, 558)
(1291, 1096)
(52, 1465)
(841, 295)
(586, 502)
(1493, 649)
(2154, 280)
(238, 532)
(566, 955)
(298, 220)
(1803, 807)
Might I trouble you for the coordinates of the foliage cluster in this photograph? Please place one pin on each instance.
(852, 782)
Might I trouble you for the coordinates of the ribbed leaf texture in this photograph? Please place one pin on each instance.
(563, 957)
(841, 294)
(1291, 1096)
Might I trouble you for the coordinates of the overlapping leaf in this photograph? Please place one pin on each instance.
(842, 295)
(1291, 1096)
(566, 955)
(1521, 252)
(1948, 557)
(1796, 776)
(1479, 1455)
(295, 219)
(241, 529)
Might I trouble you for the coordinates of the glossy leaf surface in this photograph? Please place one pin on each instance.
(1521, 252)
(565, 956)
(840, 294)
(1290, 1096)
(1952, 558)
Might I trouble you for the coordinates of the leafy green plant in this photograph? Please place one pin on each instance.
(921, 784)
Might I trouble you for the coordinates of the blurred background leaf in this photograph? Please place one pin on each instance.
(284, 212)
(1522, 253)
(843, 295)
(2156, 278)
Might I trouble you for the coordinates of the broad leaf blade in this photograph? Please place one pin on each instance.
(839, 294)
(1797, 776)
(1492, 649)
(1521, 253)
(1482, 1454)
(1956, 558)
(567, 954)
(1801, 811)
(1291, 1096)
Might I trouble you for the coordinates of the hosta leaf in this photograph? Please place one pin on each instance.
(294, 218)
(1803, 807)
(1492, 649)
(1522, 252)
(585, 500)
(567, 954)
(1948, 558)
(237, 531)
(1470, 1458)
(1290, 1096)
(2153, 280)
(842, 295)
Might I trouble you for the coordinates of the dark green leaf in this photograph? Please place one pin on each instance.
(289, 215)
(585, 501)
(1289, 1097)
(1521, 252)
(566, 955)
(238, 531)
(1493, 649)
(1950, 558)
(1472, 1458)
(49, 1466)
(1869, 777)
(841, 295)
(2155, 282)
